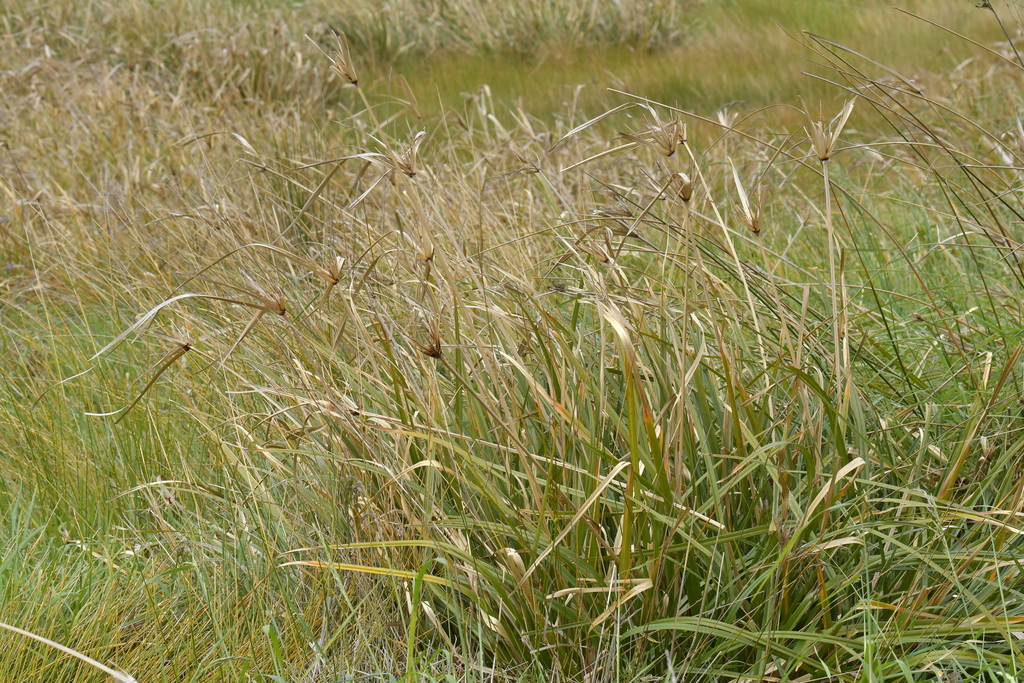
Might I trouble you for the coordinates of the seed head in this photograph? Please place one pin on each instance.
(332, 273)
(685, 187)
(336, 268)
(341, 61)
(528, 164)
(405, 162)
(824, 139)
(748, 213)
(433, 348)
(726, 118)
(663, 138)
(618, 217)
(602, 252)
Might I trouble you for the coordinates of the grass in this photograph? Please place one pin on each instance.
(739, 54)
(602, 390)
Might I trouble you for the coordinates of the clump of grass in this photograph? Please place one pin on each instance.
(535, 401)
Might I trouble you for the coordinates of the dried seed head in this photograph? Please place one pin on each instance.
(825, 138)
(270, 302)
(599, 251)
(751, 219)
(748, 213)
(725, 117)
(332, 273)
(426, 250)
(278, 304)
(341, 61)
(432, 349)
(407, 160)
(685, 187)
(663, 138)
(528, 165)
(336, 267)
(617, 218)
(403, 162)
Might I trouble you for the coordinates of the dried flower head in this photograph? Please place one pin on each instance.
(405, 161)
(603, 253)
(425, 248)
(341, 61)
(726, 118)
(685, 187)
(433, 347)
(332, 273)
(528, 165)
(749, 213)
(824, 139)
(619, 217)
(663, 138)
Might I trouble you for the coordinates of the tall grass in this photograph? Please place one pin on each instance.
(483, 396)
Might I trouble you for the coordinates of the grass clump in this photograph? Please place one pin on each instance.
(640, 394)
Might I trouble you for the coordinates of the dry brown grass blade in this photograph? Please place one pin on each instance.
(613, 150)
(245, 333)
(57, 384)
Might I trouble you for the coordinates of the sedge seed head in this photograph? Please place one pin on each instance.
(685, 187)
(341, 61)
(663, 138)
(336, 267)
(824, 138)
(407, 161)
(748, 212)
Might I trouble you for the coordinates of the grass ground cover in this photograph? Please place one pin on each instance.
(316, 373)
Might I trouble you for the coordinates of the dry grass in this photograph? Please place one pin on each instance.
(354, 386)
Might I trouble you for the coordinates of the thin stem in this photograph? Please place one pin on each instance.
(832, 281)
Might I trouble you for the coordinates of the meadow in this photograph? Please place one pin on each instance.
(456, 340)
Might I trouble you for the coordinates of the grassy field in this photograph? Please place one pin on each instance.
(562, 340)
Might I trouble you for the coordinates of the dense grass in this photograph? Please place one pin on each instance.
(739, 53)
(661, 397)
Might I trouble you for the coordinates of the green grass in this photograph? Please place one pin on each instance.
(491, 407)
(741, 53)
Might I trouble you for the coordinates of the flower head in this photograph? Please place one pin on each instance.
(824, 139)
